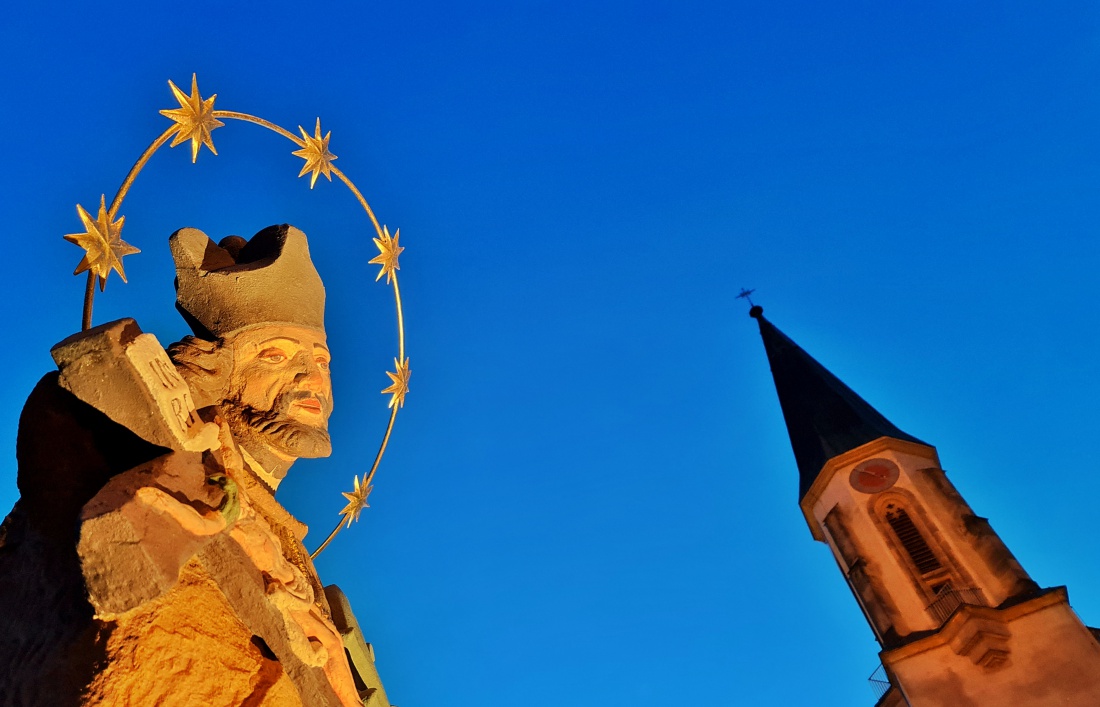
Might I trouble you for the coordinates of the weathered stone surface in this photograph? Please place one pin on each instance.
(49, 643)
(126, 375)
(1036, 652)
(360, 653)
(147, 523)
(188, 649)
(286, 605)
(143, 527)
(67, 450)
(147, 561)
(220, 291)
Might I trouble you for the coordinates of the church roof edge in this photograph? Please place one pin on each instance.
(825, 418)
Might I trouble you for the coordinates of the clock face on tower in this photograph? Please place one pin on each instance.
(874, 475)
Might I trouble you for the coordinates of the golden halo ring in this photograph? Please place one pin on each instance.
(194, 120)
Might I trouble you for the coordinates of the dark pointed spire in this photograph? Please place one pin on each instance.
(825, 418)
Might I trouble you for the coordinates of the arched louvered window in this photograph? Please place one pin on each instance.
(911, 540)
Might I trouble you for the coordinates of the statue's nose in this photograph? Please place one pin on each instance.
(310, 376)
(313, 380)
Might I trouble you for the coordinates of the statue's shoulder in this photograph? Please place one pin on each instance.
(66, 451)
(116, 402)
(126, 374)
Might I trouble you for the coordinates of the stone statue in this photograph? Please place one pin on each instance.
(147, 560)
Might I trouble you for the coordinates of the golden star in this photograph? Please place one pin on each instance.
(357, 501)
(194, 118)
(315, 152)
(400, 383)
(102, 242)
(388, 251)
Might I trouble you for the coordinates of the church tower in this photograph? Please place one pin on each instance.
(959, 620)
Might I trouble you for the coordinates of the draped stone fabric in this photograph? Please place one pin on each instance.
(121, 583)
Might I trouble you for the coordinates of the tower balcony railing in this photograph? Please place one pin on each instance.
(950, 599)
(879, 682)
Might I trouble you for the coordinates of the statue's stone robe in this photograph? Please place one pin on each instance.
(107, 598)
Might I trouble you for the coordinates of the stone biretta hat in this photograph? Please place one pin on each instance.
(238, 284)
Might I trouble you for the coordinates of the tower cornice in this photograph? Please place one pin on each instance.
(849, 458)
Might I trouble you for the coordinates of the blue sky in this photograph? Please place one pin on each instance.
(590, 495)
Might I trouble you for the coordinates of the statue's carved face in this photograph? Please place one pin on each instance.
(280, 391)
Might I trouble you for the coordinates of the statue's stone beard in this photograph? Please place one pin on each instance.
(274, 429)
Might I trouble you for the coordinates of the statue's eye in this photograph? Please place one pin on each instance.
(272, 356)
(322, 363)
